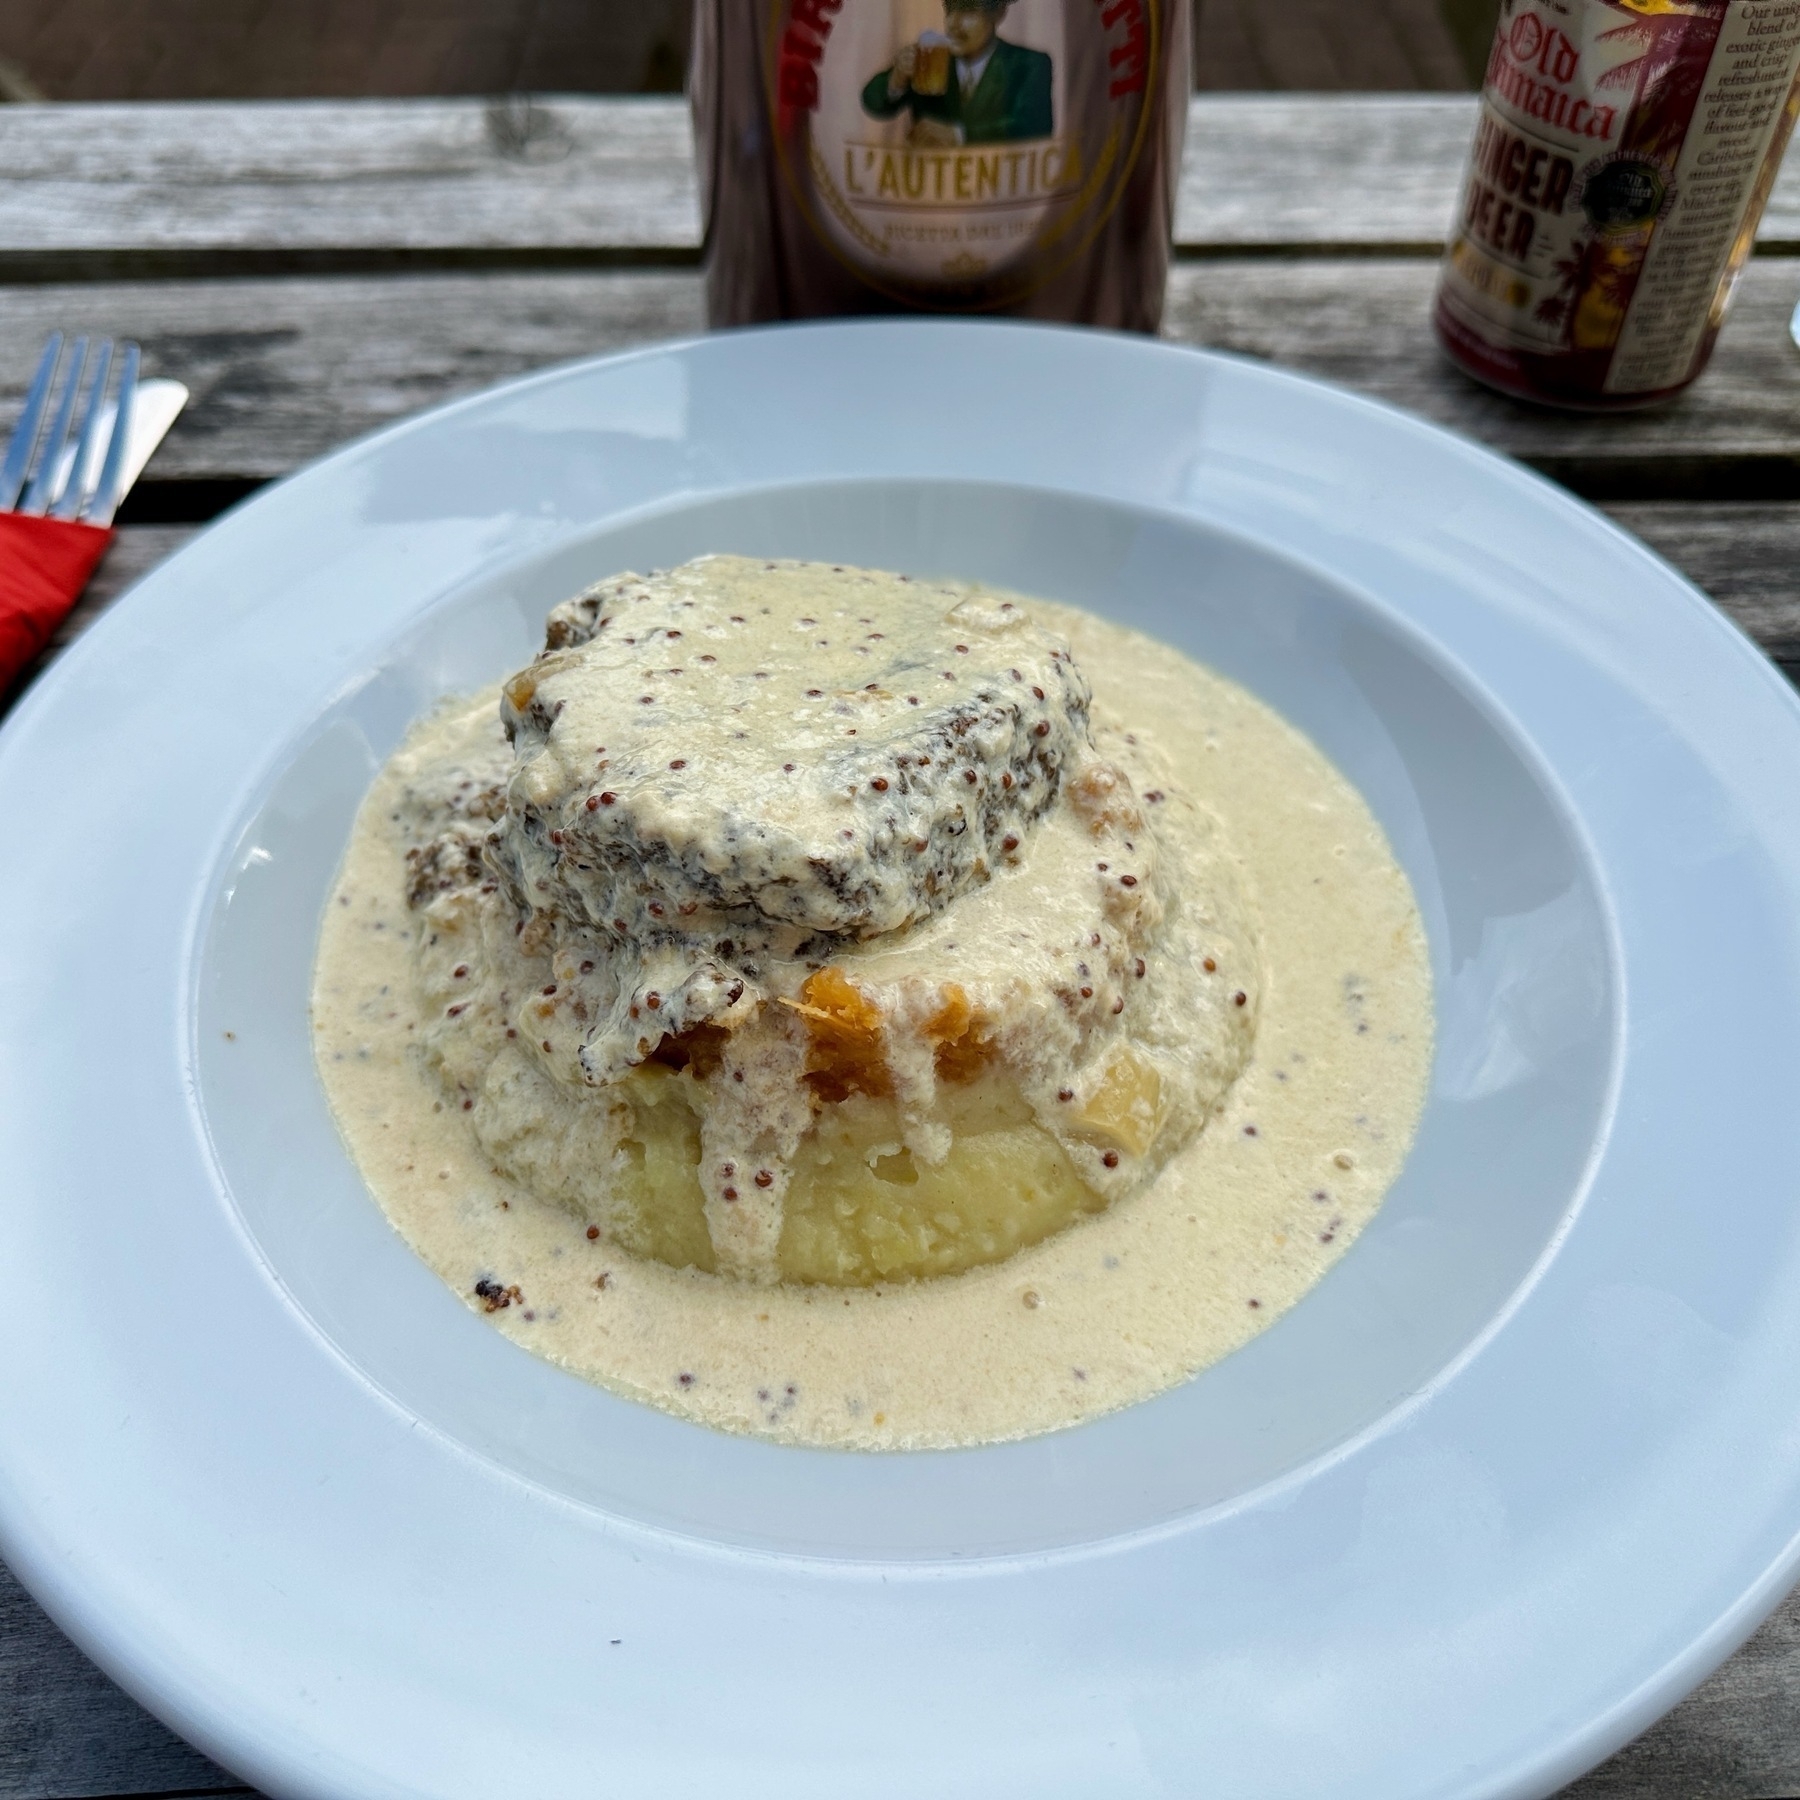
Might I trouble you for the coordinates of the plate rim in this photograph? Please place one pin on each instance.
(71, 1606)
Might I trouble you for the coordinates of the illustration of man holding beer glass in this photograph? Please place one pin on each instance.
(969, 86)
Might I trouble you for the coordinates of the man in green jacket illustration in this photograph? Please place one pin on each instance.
(994, 91)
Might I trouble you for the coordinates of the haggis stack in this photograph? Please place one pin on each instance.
(802, 923)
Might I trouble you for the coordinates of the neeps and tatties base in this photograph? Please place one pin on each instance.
(1238, 1225)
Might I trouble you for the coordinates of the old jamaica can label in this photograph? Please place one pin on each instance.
(950, 155)
(1624, 151)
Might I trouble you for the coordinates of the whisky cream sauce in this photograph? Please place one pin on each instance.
(1234, 1230)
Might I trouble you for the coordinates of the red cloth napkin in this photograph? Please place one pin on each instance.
(44, 565)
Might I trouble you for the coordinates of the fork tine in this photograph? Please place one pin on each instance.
(78, 484)
(49, 465)
(109, 489)
(24, 438)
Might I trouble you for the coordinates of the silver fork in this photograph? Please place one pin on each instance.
(69, 455)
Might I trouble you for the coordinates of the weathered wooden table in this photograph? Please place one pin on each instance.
(315, 270)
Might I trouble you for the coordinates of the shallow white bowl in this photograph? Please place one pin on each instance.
(1524, 1467)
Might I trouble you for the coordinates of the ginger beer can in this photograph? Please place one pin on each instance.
(1623, 155)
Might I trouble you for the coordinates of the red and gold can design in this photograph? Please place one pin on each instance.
(999, 156)
(1624, 152)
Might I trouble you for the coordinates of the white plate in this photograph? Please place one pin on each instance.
(1521, 1470)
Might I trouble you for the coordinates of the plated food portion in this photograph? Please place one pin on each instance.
(868, 1010)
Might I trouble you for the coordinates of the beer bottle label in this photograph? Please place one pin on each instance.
(958, 153)
(1619, 152)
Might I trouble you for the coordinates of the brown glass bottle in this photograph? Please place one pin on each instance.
(939, 156)
(1624, 153)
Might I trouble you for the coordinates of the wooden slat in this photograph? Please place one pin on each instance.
(1296, 171)
(1734, 435)
(315, 361)
(123, 186)
(107, 190)
(1313, 172)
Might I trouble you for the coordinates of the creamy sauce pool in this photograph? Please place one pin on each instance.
(1238, 1226)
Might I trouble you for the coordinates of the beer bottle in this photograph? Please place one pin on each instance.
(1624, 153)
(1010, 157)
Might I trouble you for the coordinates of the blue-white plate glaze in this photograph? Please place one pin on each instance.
(1520, 1471)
